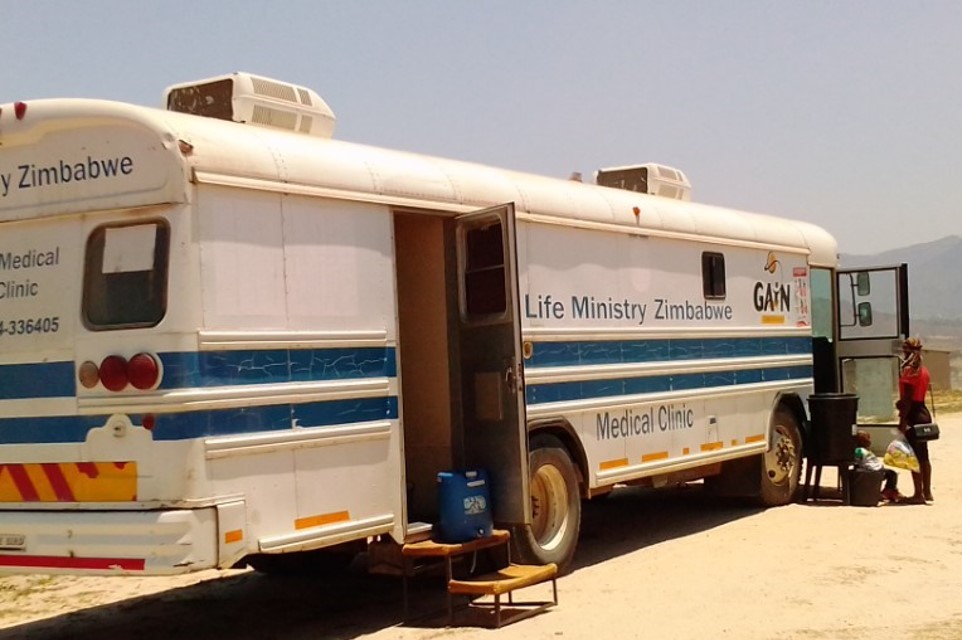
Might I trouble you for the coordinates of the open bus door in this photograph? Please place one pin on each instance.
(872, 320)
(493, 410)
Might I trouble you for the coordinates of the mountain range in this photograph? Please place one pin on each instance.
(935, 287)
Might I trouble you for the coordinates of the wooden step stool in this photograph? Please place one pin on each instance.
(506, 580)
(496, 583)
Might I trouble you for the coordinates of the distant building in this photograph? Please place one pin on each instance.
(955, 370)
(939, 364)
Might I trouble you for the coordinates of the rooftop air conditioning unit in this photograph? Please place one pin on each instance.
(651, 178)
(244, 97)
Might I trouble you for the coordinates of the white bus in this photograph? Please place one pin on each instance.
(226, 337)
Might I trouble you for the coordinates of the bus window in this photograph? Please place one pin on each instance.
(125, 276)
(823, 330)
(713, 275)
(822, 306)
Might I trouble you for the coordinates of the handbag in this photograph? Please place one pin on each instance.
(925, 431)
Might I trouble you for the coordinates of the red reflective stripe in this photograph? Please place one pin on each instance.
(56, 562)
(89, 469)
(22, 480)
(59, 483)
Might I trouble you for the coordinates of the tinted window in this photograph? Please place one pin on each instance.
(713, 275)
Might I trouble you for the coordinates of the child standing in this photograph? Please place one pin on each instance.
(865, 459)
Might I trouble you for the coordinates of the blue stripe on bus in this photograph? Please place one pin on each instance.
(200, 424)
(37, 380)
(212, 369)
(220, 368)
(590, 389)
(596, 352)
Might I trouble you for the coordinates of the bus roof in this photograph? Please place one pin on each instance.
(173, 148)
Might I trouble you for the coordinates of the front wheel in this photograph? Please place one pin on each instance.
(782, 463)
(555, 506)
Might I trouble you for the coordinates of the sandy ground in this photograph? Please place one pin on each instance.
(654, 565)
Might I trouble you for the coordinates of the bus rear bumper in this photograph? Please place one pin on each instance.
(108, 542)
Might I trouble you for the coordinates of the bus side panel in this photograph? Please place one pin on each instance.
(339, 264)
(242, 259)
(654, 373)
(266, 483)
(307, 285)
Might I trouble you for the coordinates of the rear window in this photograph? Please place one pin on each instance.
(125, 276)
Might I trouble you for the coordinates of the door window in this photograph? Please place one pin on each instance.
(484, 288)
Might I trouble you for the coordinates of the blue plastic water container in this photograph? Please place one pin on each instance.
(465, 506)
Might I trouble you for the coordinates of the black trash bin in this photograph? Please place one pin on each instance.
(833, 419)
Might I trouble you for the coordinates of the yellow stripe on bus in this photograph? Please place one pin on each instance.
(68, 482)
(321, 520)
(773, 319)
(233, 536)
(712, 446)
(613, 464)
(112, 481)
(658, 455)
(758, 438)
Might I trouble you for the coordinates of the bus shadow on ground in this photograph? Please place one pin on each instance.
(632, 518)
(355, 603)
(250, 605)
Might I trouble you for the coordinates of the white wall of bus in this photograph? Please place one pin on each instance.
(561, 266)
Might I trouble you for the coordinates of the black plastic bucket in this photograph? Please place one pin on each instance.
(865, 487)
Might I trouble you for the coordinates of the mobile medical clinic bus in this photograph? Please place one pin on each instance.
(226, 337)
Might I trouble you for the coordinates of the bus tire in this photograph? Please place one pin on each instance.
(782, 463)
(555, 506)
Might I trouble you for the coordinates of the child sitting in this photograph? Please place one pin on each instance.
(865, 459)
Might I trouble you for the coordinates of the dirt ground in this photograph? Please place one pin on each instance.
(654, 565)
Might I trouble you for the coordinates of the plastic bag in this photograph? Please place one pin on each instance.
(900, 454)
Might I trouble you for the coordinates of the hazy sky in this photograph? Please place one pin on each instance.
(845, 114)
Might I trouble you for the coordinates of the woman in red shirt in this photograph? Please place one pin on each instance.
(913, 385)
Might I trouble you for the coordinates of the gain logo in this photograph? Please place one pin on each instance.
(772, 296)
(771, 263)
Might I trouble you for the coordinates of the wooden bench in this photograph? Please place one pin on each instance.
(497, 583)
(506, 580)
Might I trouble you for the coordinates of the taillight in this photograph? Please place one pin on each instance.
(113, 373)
(143, 371)
(88, 374)
(19, 109)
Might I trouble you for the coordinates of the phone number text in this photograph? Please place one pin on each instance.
(29, 326)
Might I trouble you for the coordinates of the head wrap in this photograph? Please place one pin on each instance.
(912, 353)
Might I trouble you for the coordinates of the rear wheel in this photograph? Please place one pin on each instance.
(782, 463)
(555, 506)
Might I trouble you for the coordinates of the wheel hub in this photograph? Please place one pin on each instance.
(780, 460)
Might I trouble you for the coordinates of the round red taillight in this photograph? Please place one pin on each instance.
(19, 109)
(143, 371)
(113, 373)
(149, 422)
